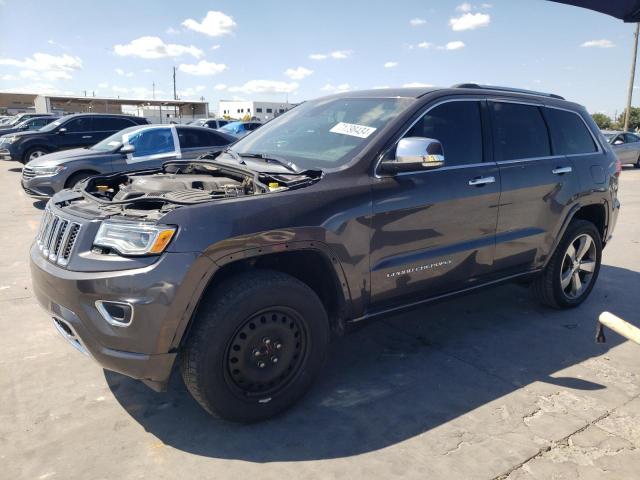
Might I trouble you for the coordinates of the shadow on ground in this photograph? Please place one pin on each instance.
(400, 377)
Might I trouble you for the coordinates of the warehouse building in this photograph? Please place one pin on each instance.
(247, 110)
(156, 111)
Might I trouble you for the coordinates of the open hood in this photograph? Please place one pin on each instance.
(627, 10)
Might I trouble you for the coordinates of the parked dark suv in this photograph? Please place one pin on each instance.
(71, 131)
(344, 209)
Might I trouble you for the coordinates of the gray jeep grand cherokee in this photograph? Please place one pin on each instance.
(238, 266)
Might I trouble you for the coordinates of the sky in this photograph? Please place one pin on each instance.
(274, 50)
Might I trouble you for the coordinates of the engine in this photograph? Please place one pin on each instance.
(180, 188)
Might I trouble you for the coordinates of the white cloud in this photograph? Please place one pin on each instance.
(214, 24)
(203, 68)
(147, 70)
(298, 73)
(191, 92)
(103, 85)
(469, 21)
(154, 47)
(390, 64)
(425, 45)
(598, 44)
(122, 73)
(7, 77)
(336, 55)
(265, 86)
(464, 7)
(215, 47)
(417, 85)
(416, 22)
(457, 45)
(172, 31)
(38, 88)
(45, 66)
(220, 86)
(343, 87)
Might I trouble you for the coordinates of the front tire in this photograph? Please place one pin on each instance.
(570, 275)
(33, 153)
(256, 346)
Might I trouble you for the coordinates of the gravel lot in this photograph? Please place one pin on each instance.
(489, 386)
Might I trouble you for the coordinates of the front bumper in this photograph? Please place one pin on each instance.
(5, 154)
(41, 187)
(161, 295)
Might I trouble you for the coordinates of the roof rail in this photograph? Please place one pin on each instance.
(506, 89)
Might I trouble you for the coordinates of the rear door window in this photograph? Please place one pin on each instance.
(193, 138)
(519, 132)
(111, 124)
(631, 138)
(569, 133)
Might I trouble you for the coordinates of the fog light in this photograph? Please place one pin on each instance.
(118, 314)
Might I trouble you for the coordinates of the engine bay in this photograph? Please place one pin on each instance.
(152, 192)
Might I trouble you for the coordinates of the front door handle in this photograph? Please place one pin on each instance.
(561, 170)
(87, 136)
(477, 182)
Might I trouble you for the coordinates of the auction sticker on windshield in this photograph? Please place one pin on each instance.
(353, 130)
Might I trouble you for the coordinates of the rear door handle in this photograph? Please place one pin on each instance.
(561, 170)
(481, 181)
(87, 136)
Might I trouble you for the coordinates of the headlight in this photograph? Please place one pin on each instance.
(134, 238)
(47, 171)
(9, 139)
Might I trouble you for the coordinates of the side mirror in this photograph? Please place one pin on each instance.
(415, 153)
(62, 130)
(618, 142)
(24, 127)
(127, 149)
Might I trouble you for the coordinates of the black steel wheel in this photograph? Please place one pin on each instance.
(258, 341)
(267, 352)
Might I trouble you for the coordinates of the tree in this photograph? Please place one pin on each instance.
(634, 119)
(603, 121)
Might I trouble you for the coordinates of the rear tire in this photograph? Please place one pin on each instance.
(33, 153)
(570, 275)
(637, 164)
(256, 346)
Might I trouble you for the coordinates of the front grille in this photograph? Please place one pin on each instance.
(28, 173)
(56, 237)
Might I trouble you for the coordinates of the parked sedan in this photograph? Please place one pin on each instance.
(21, 117)
(134, 148)
(625, 145)
(210, 122)
(240, 129)
(34, 123)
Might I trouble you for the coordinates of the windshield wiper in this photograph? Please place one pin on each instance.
(272, 159)
(235, 155)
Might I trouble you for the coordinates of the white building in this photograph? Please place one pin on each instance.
(264, 111)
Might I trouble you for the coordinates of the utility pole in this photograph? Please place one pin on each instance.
(153, 90)
(627, 112)
(175, 94)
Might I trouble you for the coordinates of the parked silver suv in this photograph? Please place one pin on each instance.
(626, 146)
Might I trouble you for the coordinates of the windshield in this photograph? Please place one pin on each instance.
(113, 142)
(609, 136)
(232, 127)
(324, 133)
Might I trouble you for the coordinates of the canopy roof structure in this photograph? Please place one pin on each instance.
(626, 10)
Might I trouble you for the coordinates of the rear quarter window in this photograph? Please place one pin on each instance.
(569, 133)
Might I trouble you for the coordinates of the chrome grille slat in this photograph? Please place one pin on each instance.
(56, 237)
(28, 172)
